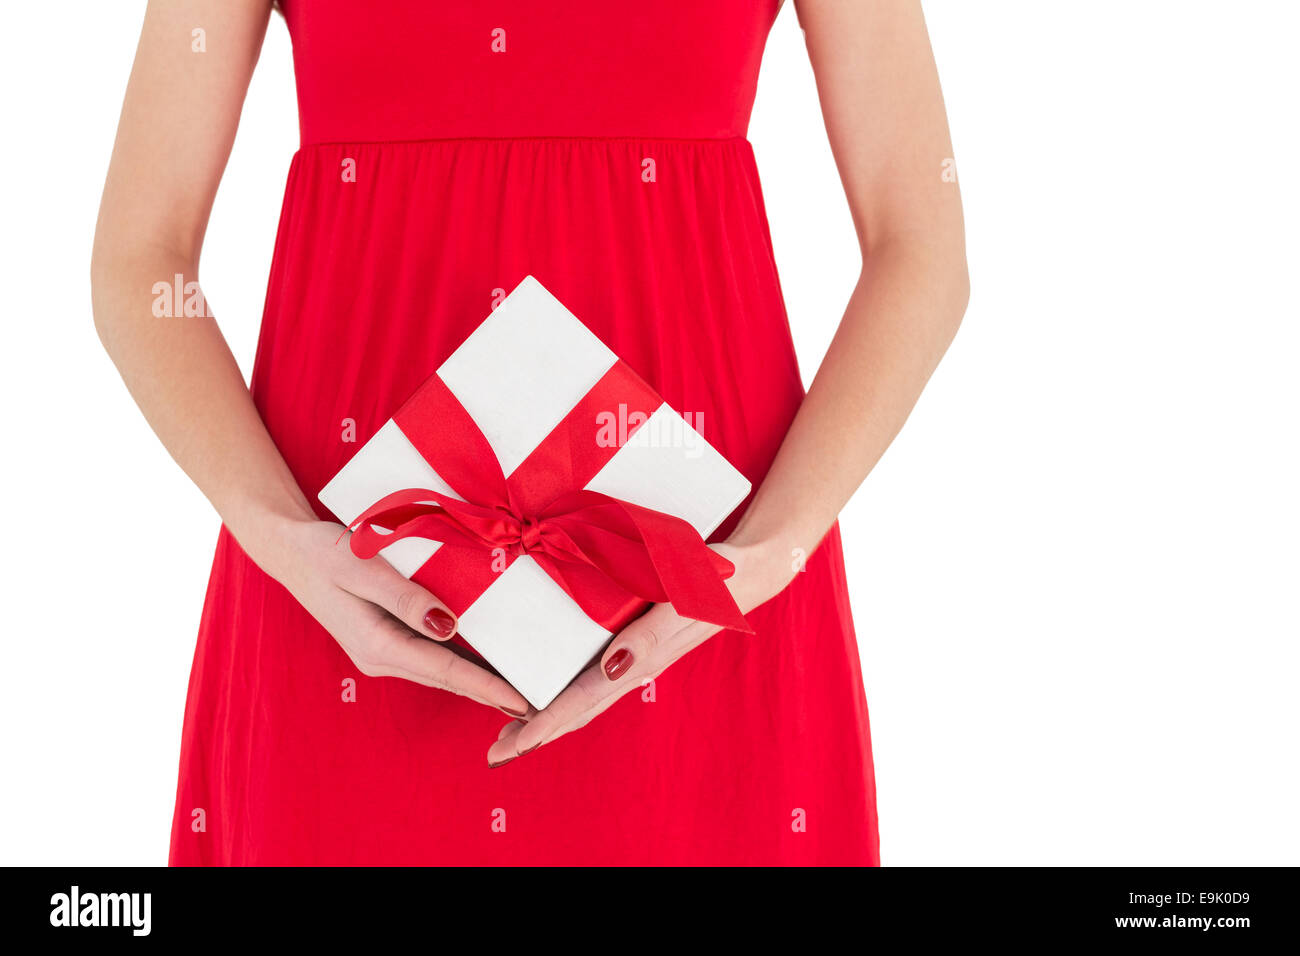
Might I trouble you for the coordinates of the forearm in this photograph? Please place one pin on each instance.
(899, 321)
(181, 373)
(157, 198)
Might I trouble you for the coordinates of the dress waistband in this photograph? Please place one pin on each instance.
(452, 140)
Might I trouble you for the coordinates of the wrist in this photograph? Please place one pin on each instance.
(764, 568)
(265, 530)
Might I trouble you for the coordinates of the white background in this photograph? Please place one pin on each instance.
(1074, 574)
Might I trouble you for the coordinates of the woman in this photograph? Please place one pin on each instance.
(447, 151)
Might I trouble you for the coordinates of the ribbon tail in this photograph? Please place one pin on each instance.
(691, 572)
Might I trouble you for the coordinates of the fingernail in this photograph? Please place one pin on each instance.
(530, 749)
(500, 763)
(618, 662)
(517, 714)
(440, 622)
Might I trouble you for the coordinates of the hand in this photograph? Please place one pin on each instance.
(640, 652)
(387, 625)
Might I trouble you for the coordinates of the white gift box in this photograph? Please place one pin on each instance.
(518, 375)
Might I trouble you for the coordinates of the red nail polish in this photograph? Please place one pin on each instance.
(440, 622)
(618, 662)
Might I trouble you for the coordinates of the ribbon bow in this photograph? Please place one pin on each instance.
(610, 556)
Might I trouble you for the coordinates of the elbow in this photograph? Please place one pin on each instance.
(949, 276)
(931, 263)
(106, 275)
(946, 279)
(121, 273)
(958, 291)
(106, 303)
(101, 280)
(136, 265)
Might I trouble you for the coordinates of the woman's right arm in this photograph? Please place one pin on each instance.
(176, 130)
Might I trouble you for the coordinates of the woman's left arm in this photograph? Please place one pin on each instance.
(885, 117)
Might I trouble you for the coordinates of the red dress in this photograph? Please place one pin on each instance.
(449, 148)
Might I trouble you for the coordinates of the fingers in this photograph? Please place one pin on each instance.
(506, 748)
(407, 656)
(643, 649)
(577, 704)
(638, 641)
(590, 694)
(382, 620)
(411, 604)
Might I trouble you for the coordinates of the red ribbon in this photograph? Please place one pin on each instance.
(610, 556)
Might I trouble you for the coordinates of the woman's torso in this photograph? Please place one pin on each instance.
(598, 146)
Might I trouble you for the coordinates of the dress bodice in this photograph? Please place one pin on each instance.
(438, 69)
